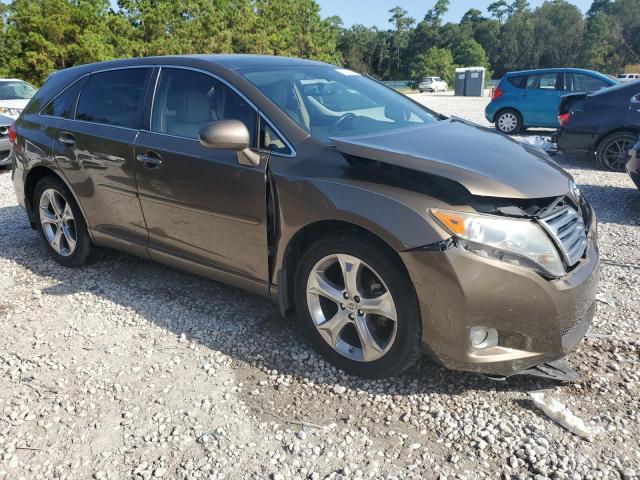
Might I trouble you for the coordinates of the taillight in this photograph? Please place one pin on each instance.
(497, 93)
(564, 118)
(13, 133)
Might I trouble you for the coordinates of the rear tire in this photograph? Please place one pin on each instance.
(382, 291)
(61, 225)
(508, 121)
(613, 151)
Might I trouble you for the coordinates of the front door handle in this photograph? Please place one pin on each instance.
(150, 159)
(67, 139)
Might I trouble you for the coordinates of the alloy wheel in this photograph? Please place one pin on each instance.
(58, 222)
(507, 122)
(351, 307)
(616, 153)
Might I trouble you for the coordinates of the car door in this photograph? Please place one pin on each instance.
(200, 204)
(542, 97)
(94, 149)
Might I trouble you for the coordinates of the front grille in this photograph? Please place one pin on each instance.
(567, 229)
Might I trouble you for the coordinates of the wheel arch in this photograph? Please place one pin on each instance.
(601, 138)
(514, 109)
(304, 238)
(31, 180)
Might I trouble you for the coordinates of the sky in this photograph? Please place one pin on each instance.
(376, 12)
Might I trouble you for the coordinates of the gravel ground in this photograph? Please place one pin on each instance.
(128, 369)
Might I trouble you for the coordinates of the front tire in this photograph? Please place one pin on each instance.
(508, 121)
(60, 224)
(358, 306)
(613, 151)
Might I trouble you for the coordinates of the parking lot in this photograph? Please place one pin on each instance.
(129, 369)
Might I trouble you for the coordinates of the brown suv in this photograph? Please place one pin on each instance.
(385, 226)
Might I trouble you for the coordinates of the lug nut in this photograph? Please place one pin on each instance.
(345, 295)
(356, 299)
(342, 306)
(351, 317)
(360, 312)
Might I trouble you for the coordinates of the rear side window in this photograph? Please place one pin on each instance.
(519, 81)
(64, 104)
(587, 83)
(114, 97)
(546, 81)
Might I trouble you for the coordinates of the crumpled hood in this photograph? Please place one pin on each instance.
(485, 162)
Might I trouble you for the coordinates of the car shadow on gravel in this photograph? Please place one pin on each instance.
(219, 317)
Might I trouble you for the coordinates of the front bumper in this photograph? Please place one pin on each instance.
(537, 320)
(5, 150)
(633, 166)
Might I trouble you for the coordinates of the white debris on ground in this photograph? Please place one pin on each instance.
(560, 413)
(128, 369)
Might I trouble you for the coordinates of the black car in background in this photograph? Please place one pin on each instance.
(606, 122)
(633, 166)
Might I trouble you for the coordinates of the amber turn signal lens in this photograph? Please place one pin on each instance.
(452, 221)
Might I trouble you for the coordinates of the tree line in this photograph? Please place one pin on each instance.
(509, 36)
(41, 36)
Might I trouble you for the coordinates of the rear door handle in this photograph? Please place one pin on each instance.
(67, 139)
(150, 159)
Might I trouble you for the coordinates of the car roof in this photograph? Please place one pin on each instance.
(556, 70)
(227, 61)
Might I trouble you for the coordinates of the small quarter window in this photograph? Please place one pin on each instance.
(114, 97)
(271, 141)
(63, 105)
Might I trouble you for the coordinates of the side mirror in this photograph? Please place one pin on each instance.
(230, 135)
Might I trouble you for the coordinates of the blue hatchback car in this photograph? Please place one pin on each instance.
(531, 98)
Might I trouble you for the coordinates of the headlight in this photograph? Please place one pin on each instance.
(516, 241)
(10, 111)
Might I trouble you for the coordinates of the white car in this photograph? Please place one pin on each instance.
(628, 77)
(14, 96)
(433, 84)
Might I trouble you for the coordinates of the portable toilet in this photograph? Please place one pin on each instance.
(474, 81)
(461, 82)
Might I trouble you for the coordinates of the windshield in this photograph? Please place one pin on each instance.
(333, 102)
(16, 90)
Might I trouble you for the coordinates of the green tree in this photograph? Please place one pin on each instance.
(517, 35)
(436, 62)
(499, 10)
(357, 46)
(598, 52)
(561, 25)
(402, 24)
(295, 28)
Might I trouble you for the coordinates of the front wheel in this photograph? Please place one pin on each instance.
(508, 121)
(613, 151)
(358, 306)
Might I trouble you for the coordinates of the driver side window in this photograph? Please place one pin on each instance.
(185, 101)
